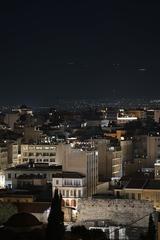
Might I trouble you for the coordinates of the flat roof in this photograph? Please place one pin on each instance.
(69, 175)
(35, 167)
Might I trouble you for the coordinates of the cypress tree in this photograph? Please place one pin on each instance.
(151, 235)
(55, 227)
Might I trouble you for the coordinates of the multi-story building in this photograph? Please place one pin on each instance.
(13, 173)
(3, 157)
(39, 153)
(23, 109)
(72, 186)
(29, 181)
(127, 150)
(117, 165)
(139, 113)
(109, 159)
(153, 149)
(13, 154)
(124, 117)
(141, 189)
(153, 114)
(111, 114)
(17, 197)
(81, 160)
(11, 118)
(157, 170)
(32, 134)
(2, 179)
(139, 146)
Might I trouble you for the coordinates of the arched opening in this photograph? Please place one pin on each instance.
(67, 203)
(73, 203)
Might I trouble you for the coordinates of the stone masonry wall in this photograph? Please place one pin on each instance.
(118, 211)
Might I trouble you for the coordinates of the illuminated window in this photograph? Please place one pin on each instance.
(73, 203)
(133, 195)
(67, 193)
(67, 203)
(139, 196)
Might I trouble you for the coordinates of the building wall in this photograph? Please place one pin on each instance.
(118, 211)
(140, 114)
(10, 119)
(101, 146)
(153, 150)
(2, 179)
(13, 154)
(39, 153)
(71, 189)
(114, 163)
(11, 175)
(150, 195)
(140, 146)
(68, 215)
(157, 170)
(157, 116)
(3, 158)
(82, 161)
(127, 150)
(17, 199)
(131, 167)
(32, 134)
(117, 164)
(158, 231)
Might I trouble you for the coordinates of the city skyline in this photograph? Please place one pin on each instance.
(74, 50)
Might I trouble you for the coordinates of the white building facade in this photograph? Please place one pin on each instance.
(40, 153)
(72, 186)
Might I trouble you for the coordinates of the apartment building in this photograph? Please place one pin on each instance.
(72, 186)
(3, 157)
(81, 160)
(47, 172)
(39, 153)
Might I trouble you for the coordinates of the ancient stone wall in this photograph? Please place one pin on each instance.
(117, 211)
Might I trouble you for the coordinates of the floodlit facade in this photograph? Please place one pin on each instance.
(39, 153)
(72, 186)
(3, 157)
(13, 154)
(84, 161)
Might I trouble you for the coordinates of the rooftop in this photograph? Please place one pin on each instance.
(136, 183)
(143, 184)
(34, 207)
(69, 175)
(31, 176)
(35, 167)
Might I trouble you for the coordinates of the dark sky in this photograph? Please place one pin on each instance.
(79, 49)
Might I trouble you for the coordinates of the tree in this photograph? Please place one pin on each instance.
(6, 211)
(151, 235)
(55, 227)
(80, 232)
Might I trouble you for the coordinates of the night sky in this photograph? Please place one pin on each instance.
(79, 49)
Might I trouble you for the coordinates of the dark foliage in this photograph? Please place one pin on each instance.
(80, 232)
(55, 228)
(151, 235)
